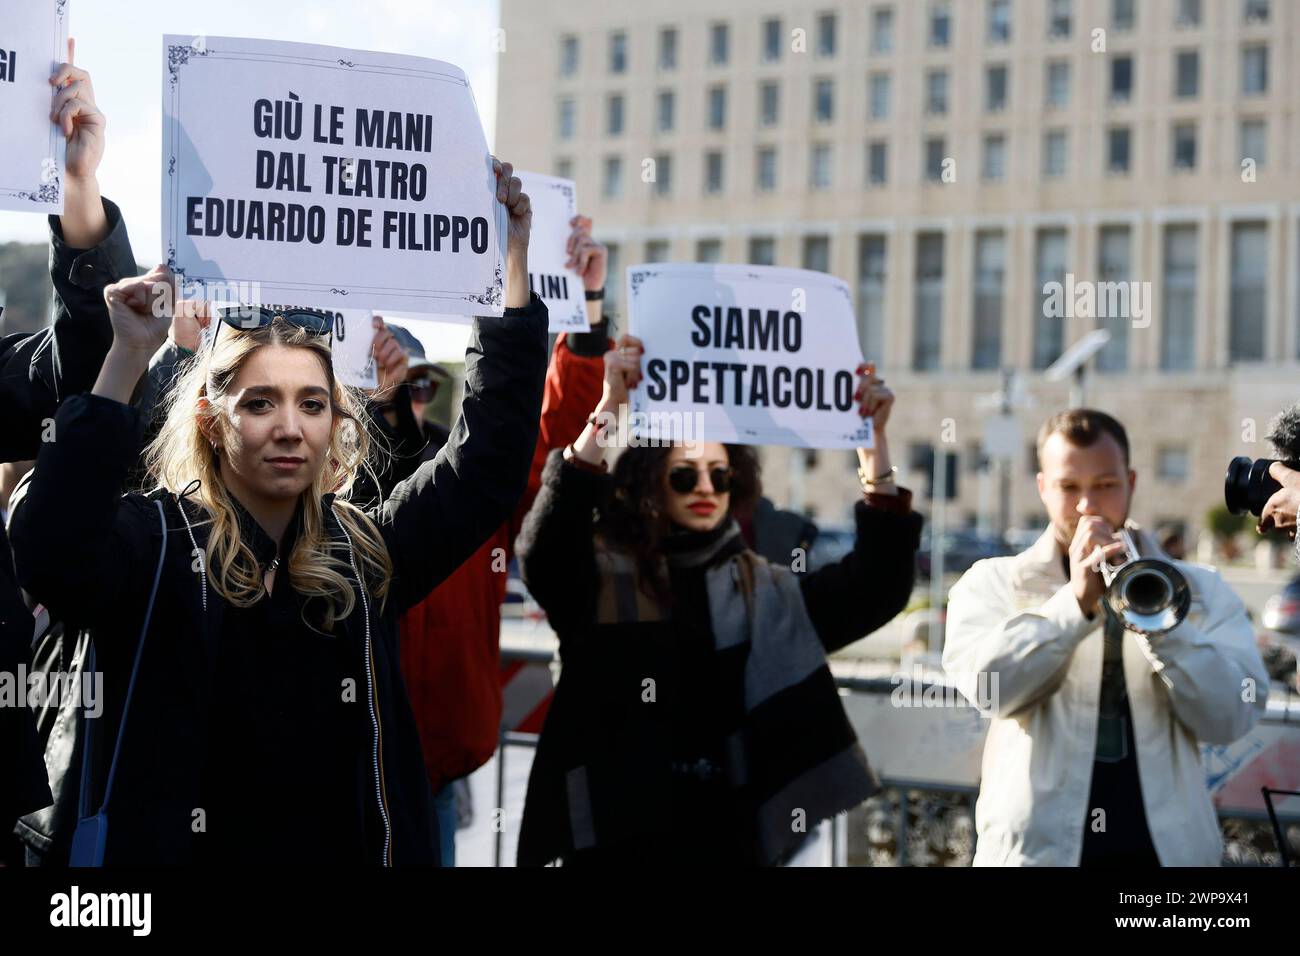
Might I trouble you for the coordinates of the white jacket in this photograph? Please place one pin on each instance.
(1017, 618)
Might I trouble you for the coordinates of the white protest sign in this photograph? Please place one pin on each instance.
(327, 177)
(33, 41)
(755, 355)
(354, 360)
(351, 338)
(554, 203)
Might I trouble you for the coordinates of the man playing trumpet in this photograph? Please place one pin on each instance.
(1091, 757)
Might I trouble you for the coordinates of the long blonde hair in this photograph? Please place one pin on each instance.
(183, 452)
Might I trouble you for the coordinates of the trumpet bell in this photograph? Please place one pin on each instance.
(1149, 596)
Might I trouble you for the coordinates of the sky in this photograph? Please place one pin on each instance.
(120, 43)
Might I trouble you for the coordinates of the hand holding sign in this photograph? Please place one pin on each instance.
(589, 258)
(75, 112)
(390, 358)
(622, 371)
(83, 128)
(873, 398)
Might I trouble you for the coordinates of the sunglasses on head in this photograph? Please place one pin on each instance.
(684, 478)
(247, 318)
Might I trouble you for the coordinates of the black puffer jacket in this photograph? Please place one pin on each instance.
(89, 554)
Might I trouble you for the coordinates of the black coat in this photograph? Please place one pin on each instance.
(599, 720)
(37, 370)
(89, 554)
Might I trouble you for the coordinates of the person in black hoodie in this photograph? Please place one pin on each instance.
(268, 720)
(695, 719)
(89, 250)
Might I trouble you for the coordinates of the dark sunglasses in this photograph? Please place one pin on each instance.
(684, 478)
(422, 390)
(246, 318)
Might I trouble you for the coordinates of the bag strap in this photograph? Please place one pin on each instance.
(84, 809)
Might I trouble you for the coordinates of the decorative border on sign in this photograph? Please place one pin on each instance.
(50, 187)
(435, 299)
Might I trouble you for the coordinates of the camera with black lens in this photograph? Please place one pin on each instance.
(1248, 485)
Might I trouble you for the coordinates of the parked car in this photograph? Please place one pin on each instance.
(1282, 610)
(961, 549)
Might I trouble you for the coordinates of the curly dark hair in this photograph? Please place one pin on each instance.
(632, 520)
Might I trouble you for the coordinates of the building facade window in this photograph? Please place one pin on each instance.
(999, 22)
(1254, 70)
(1055, 150)
(1118, 149)
(995, 89)
(1123, 15)
(1187, 74)
(663, 175)
(568, 117)
(719, 44)
(817, 253)
(936, 92)
(1114, 265)
(1187, 14)
(668, 48)
(773, 40)
(1183, 146)
(618, 52)
(769, 103)
(1254, 141)
(819, 167)
(718, 107)
(1058, 84)
(612, 179)
(568, 55)
(1049, 267)
(934, 157)
(871, 296)
(762, 251)
(1248, 308)
(940, 32)
(765, 169)
(994, 164)
(666, 108)
(713, 184)
(1121, 79)
(990, 268)
(1058, 19)
(826, 38)
(882, 30)
(927, 331)
(614, 115)
(824, 100)
(877, 163)
(878, 95)
(1178, 324)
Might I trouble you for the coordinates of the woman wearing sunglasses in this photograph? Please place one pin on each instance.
(266, 718)
(696, 720)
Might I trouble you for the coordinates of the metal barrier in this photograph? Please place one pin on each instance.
(902, 785)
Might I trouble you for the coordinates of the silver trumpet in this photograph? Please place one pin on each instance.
(1147, 595)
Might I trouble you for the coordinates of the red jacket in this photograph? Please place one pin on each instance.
(450, 641)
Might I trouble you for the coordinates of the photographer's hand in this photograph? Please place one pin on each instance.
(1280, 510)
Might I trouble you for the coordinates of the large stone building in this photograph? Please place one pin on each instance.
(949, 159)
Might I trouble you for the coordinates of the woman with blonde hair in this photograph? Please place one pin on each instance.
(244, 612)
